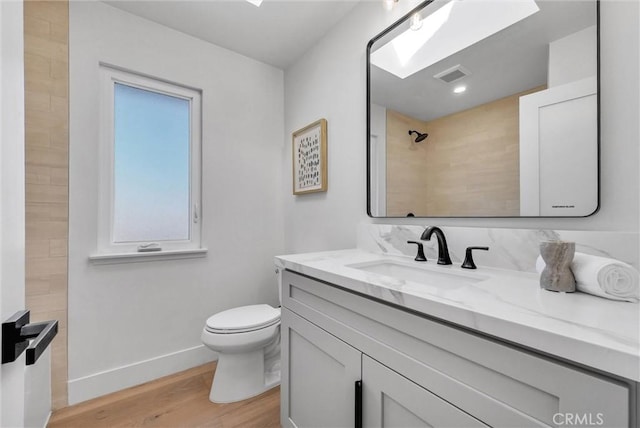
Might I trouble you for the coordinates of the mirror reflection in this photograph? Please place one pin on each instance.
(485, 108)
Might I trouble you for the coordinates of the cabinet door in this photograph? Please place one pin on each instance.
(318, 378)
(391, 400)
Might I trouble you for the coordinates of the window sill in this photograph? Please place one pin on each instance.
(114, 258)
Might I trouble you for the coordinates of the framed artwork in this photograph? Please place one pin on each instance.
(310, 158)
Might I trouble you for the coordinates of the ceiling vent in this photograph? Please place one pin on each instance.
(453, 74)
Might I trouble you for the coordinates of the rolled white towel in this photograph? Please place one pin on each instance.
(603, 277)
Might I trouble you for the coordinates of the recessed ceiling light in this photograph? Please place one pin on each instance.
(459, 89)
(255, 2)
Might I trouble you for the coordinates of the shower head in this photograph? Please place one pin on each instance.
(419, 136)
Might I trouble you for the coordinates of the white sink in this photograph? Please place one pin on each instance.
(429, 275)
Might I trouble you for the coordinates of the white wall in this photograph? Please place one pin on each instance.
(573, 57)
(134, 322)
(129, 323)
(329, 81)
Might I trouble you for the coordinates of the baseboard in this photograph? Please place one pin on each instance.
(98, 384)
(46, 423)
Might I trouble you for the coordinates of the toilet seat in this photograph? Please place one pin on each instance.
(243, 319)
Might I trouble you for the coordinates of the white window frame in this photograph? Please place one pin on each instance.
(107, 248)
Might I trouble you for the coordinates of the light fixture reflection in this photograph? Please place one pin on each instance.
(459, 89)
(388, 4)
(408, 43)
(416, 21)
(255, 2)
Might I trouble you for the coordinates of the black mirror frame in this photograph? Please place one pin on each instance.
(406, 18)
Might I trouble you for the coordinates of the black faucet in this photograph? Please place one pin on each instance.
(443, 249)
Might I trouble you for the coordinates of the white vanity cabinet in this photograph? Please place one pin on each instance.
(417, 371)
(320, 376)
(321, 386)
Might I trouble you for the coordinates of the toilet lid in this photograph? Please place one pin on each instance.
(244, 318)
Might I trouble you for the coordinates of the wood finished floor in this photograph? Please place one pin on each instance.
(179, 400)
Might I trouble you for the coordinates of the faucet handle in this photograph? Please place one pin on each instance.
(468, 257)
(420, 256)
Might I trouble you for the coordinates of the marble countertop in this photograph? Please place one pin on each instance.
(510, 305)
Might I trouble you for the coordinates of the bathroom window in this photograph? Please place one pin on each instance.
(150, 176)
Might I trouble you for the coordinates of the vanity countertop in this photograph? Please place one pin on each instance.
(509, 305)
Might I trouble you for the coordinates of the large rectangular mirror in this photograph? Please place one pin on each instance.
(485, 108)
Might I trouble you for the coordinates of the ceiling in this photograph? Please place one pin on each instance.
(277, 33)
(511, 61)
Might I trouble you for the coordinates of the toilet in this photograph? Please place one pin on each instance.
(247, 340)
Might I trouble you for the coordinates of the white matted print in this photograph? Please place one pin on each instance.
(310, 158)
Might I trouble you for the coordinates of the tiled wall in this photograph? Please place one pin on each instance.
(406, 175)
(46, 47)
(420, 176)
(515, 249)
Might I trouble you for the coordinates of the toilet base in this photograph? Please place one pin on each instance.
(243, 375)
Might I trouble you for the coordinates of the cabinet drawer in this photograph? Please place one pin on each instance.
(498, 383)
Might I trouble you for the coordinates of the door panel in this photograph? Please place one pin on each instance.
(11, 200)
(391, 400)
(321, 376)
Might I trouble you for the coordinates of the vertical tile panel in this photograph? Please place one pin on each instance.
(46, 28)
